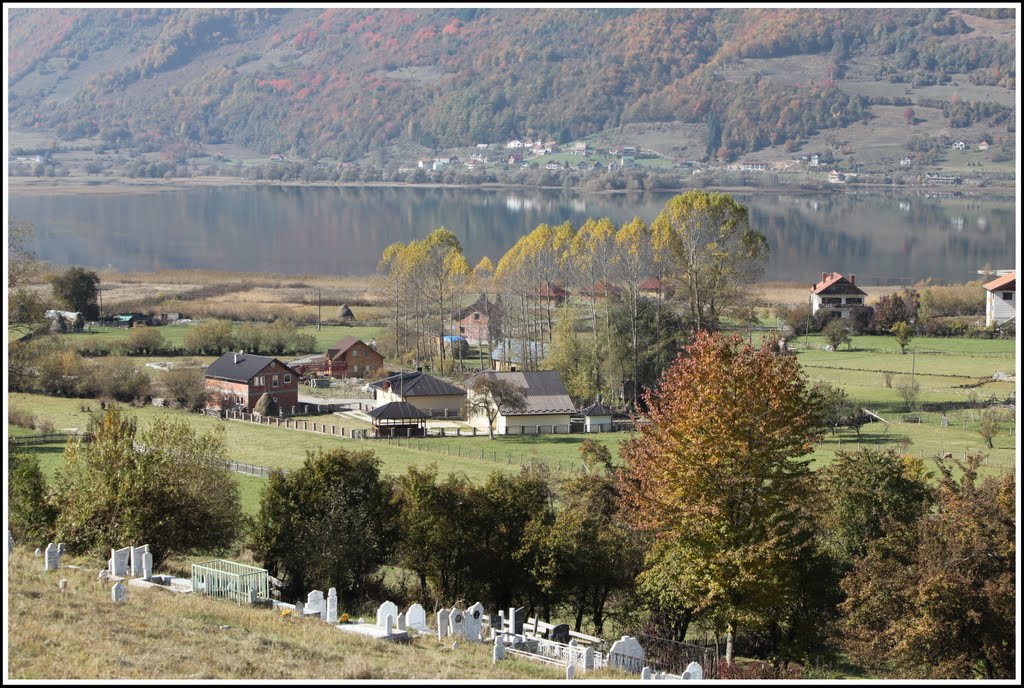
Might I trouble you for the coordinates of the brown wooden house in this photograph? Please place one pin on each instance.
(351, 357)
(238, 380)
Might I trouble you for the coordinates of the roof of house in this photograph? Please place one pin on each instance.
(1002, 282)
(551, 291)
(240, 366)
(418, 384)
(346, 344)
(651, 284)
(598, 409)
(481, 305)
(544, 390)
(396, 410)
(834, 283)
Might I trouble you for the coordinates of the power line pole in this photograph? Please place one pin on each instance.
(318, 310)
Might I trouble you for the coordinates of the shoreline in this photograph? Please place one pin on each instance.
(80, 186)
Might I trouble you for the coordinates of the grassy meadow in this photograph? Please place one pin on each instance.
(159, 635)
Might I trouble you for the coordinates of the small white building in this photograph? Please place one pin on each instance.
(836, 293)
(1000, 299)
(597, 418)
(959, 145)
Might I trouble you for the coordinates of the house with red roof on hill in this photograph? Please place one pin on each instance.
(836, 294)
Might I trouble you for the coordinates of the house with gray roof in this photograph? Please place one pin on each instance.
(238, 380)
(429, 394)
(548, 405)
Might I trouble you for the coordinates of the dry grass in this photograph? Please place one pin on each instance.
(156, 634)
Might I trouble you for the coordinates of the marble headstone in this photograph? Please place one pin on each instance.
(52, 560)
(385, 609)
(456, 622)
(119, 562)
(416, 617)
(442, 623)
(400, 622)
(117, 592)
(315, 603)
(147, 566)
(693, 672)
(332, 606)
(473, 628)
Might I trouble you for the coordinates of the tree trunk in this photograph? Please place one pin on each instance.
(579, 618)
(730, 640)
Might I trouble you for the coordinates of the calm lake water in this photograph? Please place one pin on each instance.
(883, 238)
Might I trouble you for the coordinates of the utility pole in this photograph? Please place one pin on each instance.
(317, 310)
(913, 364)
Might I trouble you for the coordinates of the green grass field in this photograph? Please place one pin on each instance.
(174, 335)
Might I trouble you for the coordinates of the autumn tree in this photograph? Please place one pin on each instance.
(25, 308)
(631, 263)
(715, 479)
(446, 275)
(186, 387)
(588, 262)
(491, 396)
(164, 485)
(209, 338)
(904, 333)
(573, 358)
(78, 290)
(144, 341)
(714, 253)
(991, 424)
(937, 598)
(836, 334)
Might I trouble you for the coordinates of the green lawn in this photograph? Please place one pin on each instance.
(174, 335)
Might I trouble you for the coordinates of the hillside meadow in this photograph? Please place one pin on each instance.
(78, 633)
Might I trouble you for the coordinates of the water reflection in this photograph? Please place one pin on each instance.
(882, 238)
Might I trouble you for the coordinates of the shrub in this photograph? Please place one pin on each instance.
(120, 379)
(186, 387)
(836, 334)
(30, 517)
(21, 417)
(144, 341)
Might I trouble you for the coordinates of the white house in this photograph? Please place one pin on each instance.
(427, 393)
(837, 294)
(983, 146)
(514, 143)
(1000, 300)
(597, 418)
(959, 145)
(548, 406)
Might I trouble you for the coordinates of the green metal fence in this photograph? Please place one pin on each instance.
(229, 579)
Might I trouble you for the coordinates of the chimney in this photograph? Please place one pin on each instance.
(419, 369)
(236, 358)
(823, 276)
(853, 279)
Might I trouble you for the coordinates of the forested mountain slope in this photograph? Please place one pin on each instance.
(340, 82)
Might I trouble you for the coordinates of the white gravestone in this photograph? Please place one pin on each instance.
(252, 595)
(136, 555)
(10, 542)
(52, 560)
(60, 548)
(588, 659)
(299, 608)
(389, 624)
(499, 649)
(332, 606)
(693, 672)
(385, 609)
(416, 617)
(401, 623)
(117, 593)
(147, 566)
(315, 603)
(645, 674)
(456, 622)
(119, 562)
(442, 623)
(626, 654)
(473, 628)
(570, 671)
(39, 552)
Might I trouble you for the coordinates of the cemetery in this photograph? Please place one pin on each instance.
(509, 632)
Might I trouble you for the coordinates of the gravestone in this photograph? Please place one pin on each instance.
(645, 674)
(117, 593)
(147, 566)
(400, 622)
(316, 604)
(626, 654)
(442, 623)
(516, 619)
(560, 633)
(456, 622)
(588, 659)
(39, 552)
(252, 595)
(119, 562)
(499, 649)
(52, 560)
(332, 606)
(136, 555)
(570, 671)
(60, 548)
(474, 621)
(693, 672)
(62, 584)
(416, 617)
(389, 624)
(299, 608)
(388, 607)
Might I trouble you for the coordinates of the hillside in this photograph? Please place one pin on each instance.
(342, 82)
(80, 634)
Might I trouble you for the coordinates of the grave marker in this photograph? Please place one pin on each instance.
(384, 609)
(389, 623)
(147, 566)
(117, 593)
(626, 654)
(316, 603)
(416, 617)
(119, 561)
(456, 622)
(400, 622)
(52, 560)
(332, 606)
(10, 542)
(693, 672)
(136, 555)
(474, 620)
(560, 633)
(442, 623)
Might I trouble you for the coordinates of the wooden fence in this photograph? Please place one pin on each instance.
(48, 438)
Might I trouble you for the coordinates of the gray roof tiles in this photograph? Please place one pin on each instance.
(544, 390)
(240, 367)
(418, 384)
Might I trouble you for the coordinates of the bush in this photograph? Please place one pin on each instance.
(30, 517)
(120, 379)
(836, 334)
(21, 417)
(186, 388)
(144, 341)
(954, 299)
(946, 327)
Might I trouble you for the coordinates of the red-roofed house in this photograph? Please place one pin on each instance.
(351, 357)
(837, 294)
(1000, 302)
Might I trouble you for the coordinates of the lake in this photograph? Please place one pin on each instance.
(882, 237)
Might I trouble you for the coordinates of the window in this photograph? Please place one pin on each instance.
(287, 378)
(355, 353)
(1007, 296)
(476, 316)
(273, 381)
(462, 330)
(853, 301)
(260, 381)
